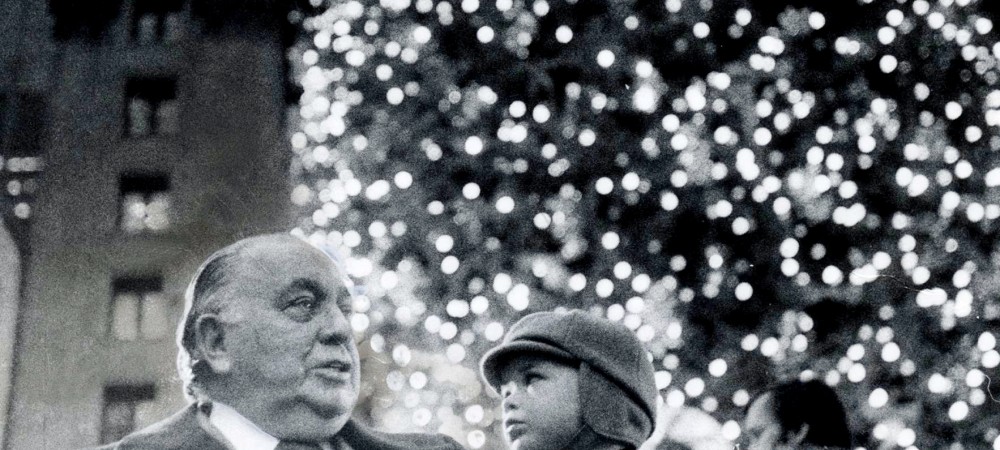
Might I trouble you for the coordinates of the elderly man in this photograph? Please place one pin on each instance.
(268, 357)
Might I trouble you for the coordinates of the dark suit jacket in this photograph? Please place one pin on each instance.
(189, 430)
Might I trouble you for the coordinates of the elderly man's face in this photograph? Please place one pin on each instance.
(288, 336)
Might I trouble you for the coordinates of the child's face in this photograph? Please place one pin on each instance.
(541, 408)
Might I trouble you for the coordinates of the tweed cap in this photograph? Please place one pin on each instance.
(617, 389)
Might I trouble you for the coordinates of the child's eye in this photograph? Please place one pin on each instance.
(532, 377)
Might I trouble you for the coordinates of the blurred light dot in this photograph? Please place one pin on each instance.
(741, 226)
(564, 34)
(449, 265)
(669, 201)
(631, 181)
(694, 387)
(542, 221)
(832, 275)
(770, 347)
(991, 359)
(493, 331)
(816, 20)
(856, 373)
(939, 384)
(744, 291)
(540, 113)
(455, 353)
(418, 380)
(473, 145)
(958, 411)
(605, 58)
(457, 308)
(952, 110)
(856, 352)
(479, 304)
(663, 379)
(517, 109)
(906, 437)
(505, 204)
(888, 63)
(701, 30)
(986, 342)
(678, 178)
(604, 185)
(975, 378)
(610, 240)
(718, 367)
(886, 35)
(519, 297)
(890, 352)
(485, 34)
(878, 398)
(444, 243)
(622, 270)
(502, 283)
(604, 288)
(422, 34)
(471, 191)
(403, 180)
(973, 134)
(675, 399)
(762, 136)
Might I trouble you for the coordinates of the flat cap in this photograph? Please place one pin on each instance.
(613, 365)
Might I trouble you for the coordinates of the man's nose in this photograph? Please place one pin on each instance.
(335, 328)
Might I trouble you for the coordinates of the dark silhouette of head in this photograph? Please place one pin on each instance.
(800, 414)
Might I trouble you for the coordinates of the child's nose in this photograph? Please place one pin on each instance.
(508, 389)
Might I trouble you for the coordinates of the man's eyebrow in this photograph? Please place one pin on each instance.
(303, 284)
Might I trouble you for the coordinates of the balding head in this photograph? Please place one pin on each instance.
(265, 331)
(198, 300)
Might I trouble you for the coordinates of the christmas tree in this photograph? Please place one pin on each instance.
(761, 191)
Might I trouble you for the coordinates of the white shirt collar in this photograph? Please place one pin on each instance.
(241, 433)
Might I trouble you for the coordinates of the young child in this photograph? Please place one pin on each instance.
(572, 381)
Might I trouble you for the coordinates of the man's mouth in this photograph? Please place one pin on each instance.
(339, 371)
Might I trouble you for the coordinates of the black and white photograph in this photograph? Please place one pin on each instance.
(499, 224)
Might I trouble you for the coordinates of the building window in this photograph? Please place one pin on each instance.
(23, 119)
(145, 202)
(23, 123)
(139, 309)
(87, 21)
(157, 21)
(123, 408)
(151, 107)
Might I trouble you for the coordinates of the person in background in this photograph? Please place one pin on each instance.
(268, 357)
(572, 381)
(798, 415)
(686, 428)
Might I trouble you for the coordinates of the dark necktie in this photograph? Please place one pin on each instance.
(292, 445)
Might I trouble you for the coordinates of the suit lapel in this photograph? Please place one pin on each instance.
(189, 429)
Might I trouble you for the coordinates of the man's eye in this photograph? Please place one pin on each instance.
(532, 377)
(304, 302)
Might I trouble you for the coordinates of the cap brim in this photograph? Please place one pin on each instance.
(493, 359)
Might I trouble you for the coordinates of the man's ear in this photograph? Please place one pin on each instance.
(210, 342)
(794, 439)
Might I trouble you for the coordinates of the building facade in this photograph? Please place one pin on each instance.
(137, 136)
